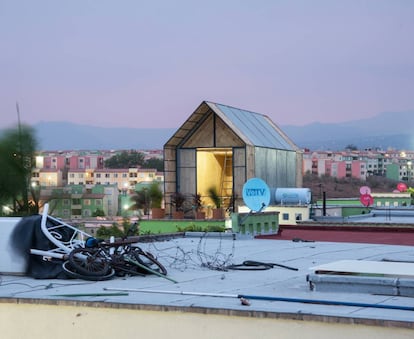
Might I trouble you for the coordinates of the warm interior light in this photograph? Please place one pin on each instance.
(213, 167)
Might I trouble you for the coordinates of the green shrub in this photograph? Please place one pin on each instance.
(118, 232)
(215, 228)
(199, 228)
(106, 232)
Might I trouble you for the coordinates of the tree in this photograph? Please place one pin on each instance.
(125, 160)
(98, 213)
(141, 201)
(17, 151)
(351, 147)
(156, 163)
(411, 191)
(155, 194)
(147, 198)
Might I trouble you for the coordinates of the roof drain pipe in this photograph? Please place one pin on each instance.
(270, 298)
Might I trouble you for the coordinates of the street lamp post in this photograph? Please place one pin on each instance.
(125, 208)
(35, 193)
(146, 208)
(125, 188)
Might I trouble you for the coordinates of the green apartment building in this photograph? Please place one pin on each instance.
(79, 201)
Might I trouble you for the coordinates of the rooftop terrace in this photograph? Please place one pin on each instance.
(200, 282)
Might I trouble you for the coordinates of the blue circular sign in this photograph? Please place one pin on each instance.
(256, 194)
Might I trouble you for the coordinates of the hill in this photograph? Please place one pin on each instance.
(345, 187)
(384, 131)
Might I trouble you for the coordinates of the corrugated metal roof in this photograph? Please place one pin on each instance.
(254, 129)
(257, 128)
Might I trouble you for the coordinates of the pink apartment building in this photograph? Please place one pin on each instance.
(335, 164)
(55, 160)
(85, 162)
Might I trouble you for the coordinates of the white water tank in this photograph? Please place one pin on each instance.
(293, 196)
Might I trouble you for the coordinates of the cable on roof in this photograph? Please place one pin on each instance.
(251, 265)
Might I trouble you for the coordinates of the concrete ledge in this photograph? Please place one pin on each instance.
(210, 235)
(265, 315)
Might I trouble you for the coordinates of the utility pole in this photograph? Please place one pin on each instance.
(22, 163)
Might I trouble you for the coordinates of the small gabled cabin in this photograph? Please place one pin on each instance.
(222, 147)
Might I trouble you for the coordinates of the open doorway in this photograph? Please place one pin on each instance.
(215, 169)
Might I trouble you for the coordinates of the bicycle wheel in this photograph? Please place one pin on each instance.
(123, 266)
(146, 262)
(89, 261)
(71, 272)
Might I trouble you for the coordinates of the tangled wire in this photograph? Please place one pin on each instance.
(212, 253)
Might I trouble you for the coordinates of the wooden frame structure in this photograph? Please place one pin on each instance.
(224, 146)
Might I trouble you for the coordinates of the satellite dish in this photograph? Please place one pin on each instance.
(401, 187)
(256, 194)
(366, 200)
(364, 190)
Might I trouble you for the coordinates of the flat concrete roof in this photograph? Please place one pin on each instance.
(196, 264)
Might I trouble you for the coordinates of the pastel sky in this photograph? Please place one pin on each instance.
(136, 63)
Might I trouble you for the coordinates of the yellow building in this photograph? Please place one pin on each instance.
(124, 178)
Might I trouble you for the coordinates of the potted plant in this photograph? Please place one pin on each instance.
(218, 212)
(177, 201)
(197, 205)
(155, 196)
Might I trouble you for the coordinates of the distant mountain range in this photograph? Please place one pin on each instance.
(386, 130)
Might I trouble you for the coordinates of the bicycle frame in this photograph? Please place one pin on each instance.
(93, 263)
(54, 231)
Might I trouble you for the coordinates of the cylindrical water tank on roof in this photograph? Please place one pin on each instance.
(293, 196)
